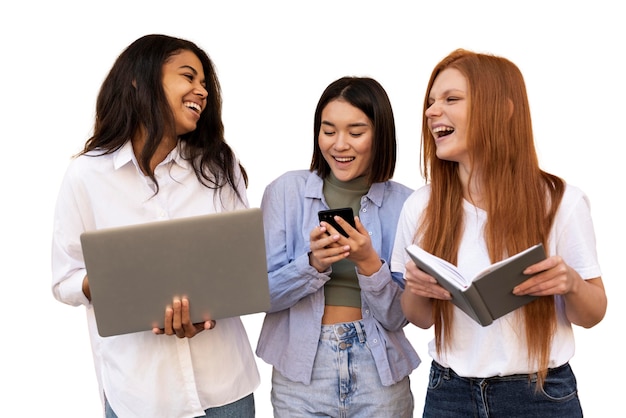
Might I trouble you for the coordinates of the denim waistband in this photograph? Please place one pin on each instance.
(532, 376)
(343, 331)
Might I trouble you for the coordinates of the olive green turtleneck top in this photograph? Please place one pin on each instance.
(343, 287)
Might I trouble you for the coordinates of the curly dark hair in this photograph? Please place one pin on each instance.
(132, 97)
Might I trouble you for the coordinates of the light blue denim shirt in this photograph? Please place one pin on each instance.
(291, 330)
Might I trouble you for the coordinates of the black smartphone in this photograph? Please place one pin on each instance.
(329, 216)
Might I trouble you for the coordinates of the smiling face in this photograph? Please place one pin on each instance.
(345, 140)
(447, 116)
(184, 85)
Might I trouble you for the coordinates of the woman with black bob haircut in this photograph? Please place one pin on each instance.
(334, 333)
(367, 95)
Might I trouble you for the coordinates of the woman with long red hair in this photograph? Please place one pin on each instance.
(486, 198)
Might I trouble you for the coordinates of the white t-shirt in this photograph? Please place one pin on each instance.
(142, 374)
(500, 348)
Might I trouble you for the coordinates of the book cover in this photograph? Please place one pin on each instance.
(489, 295)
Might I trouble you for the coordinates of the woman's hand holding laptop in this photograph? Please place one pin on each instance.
(178, 321)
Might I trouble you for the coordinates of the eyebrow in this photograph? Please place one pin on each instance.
(449, 91)
(351, 125)
(193, 70)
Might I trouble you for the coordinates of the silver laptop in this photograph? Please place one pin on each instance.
(217, 261)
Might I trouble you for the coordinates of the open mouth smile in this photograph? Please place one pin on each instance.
(193, 106)
(441, 131)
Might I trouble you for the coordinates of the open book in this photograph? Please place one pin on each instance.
(489, 295)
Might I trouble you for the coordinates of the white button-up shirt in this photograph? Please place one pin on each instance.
(143, 374)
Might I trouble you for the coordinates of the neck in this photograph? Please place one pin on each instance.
(163, 149)
(471, 187)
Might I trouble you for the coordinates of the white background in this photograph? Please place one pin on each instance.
(274, 59)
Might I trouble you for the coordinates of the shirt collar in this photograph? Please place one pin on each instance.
(376, 193)
(126, 155)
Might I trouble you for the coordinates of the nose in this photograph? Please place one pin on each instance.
(433, 110)
(341, 142)
(201, 91)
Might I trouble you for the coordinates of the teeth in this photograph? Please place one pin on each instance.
(344, 159)
(193, 105)
(441, 131)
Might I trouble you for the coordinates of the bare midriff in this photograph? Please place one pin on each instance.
(338, 314)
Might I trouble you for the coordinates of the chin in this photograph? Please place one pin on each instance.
(346, 176)
(444, 156)
(186, 130)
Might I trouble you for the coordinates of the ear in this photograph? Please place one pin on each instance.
(134, 83)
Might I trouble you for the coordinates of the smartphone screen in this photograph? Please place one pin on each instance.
(329, 216)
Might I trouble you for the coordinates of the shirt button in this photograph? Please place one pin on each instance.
(342, 345)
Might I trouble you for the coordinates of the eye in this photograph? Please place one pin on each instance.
(356, 134)
(452, 99)
(328, 133)
(188, 76)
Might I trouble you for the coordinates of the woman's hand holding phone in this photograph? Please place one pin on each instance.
(359, 250)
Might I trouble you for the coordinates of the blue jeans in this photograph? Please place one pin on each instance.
(452, 396)
(345, 382)
(243, 408)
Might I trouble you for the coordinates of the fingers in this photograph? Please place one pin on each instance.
(543, 265)
(329, 254)
(325, 233)
(178, 321)
(167, 322)
(327, 237)
(358, 237)
(326, 249)
(423, 284)
(346, 226)
(551, 276)
(432, 291)
(174, 323)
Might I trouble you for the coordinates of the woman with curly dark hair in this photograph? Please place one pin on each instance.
(157, 152)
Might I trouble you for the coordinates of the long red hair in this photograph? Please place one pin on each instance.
(520, 199)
